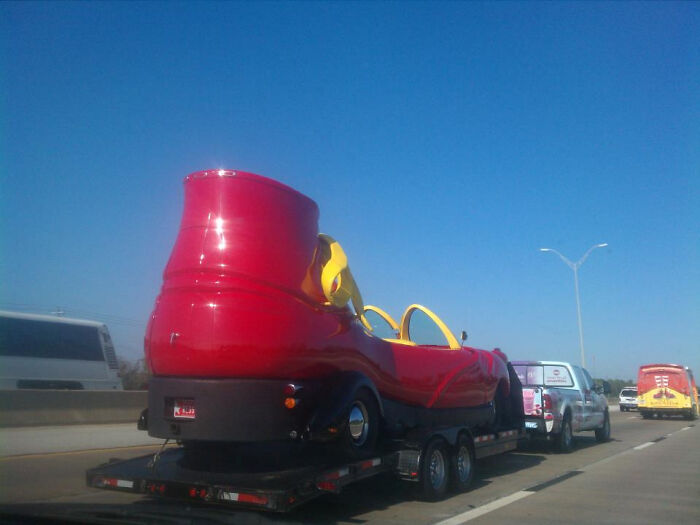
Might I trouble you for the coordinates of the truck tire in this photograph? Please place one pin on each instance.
(462, 464)
(361, 431)
(564, 440)
(645, 414)
(435, 470)
(602, 434)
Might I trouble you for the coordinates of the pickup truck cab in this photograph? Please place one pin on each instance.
(559, 399)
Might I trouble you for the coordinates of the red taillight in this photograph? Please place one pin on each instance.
(290, 402)
(547, 402)
(290, 390)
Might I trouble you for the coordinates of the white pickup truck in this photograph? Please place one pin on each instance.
(559, 399)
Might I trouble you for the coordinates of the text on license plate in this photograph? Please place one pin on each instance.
(184, 409)
(530, 424)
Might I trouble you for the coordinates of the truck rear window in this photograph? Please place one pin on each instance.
(544, 375)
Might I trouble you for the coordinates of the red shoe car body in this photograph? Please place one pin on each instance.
(251, 340)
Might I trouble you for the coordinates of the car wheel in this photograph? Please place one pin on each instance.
(564, 440)
(645, 414)
(602, 434)
(362, 426)
(435, 470)
(462, 464)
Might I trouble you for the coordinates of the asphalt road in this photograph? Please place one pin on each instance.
(648, 473)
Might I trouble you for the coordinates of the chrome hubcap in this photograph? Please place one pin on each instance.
(437, 468)
(464, 464)
(358, 423)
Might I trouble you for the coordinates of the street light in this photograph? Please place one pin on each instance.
(575, 266)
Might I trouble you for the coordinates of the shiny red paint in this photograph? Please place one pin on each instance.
(242, 298)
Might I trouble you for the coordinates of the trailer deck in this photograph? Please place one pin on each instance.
(256, 479)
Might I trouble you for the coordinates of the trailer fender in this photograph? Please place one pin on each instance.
(332, 410)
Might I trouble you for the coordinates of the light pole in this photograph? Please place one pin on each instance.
(575, 266)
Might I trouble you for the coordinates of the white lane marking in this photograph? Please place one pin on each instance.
(507, 500)
(684, 428)
(633, 417)
(485, 509)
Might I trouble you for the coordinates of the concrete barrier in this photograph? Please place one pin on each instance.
(23, 408)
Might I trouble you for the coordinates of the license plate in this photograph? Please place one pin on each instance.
(531, 424)
(184, 409)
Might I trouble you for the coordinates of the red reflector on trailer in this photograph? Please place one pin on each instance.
(370, 463)
(255, 499)
(252, 498)
(336, 474)
(327, 485)
(114, 482)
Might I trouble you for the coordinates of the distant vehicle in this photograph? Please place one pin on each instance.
(628, 399)
(559, 399)
(665, 390)
(47, 352)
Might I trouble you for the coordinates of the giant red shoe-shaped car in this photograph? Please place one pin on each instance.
(252, 337)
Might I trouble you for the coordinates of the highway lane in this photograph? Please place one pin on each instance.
(34, 440)
(48, 479)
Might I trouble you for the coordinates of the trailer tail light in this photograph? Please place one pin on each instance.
(291, 402)
(154, 488)
(547, 402)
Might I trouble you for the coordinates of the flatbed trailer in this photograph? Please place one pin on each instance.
(435, 460)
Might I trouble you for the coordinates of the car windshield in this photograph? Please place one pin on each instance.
(544, 375)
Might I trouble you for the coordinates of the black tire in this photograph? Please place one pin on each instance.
(564, 440)
(435, 470)
(359, 438)
(602, 434)
(462, 464)
(645, 414)
(499, 411)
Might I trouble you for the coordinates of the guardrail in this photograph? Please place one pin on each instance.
(24, 408)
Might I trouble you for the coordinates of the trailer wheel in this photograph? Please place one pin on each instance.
(435, 470)
(462, 464)
(362, 426)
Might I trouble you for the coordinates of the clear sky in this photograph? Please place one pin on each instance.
(444, 144)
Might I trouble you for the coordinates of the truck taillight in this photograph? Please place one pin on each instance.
(547, 402)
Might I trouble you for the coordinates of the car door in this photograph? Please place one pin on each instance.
(586, 397)
(597, 403)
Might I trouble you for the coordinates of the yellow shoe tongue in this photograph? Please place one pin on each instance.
(337, 281)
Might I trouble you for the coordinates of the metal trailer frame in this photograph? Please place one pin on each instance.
(160, 475)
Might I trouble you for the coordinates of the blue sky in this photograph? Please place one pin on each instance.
(444, 144)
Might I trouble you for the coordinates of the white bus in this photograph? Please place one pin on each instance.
(46, 352)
